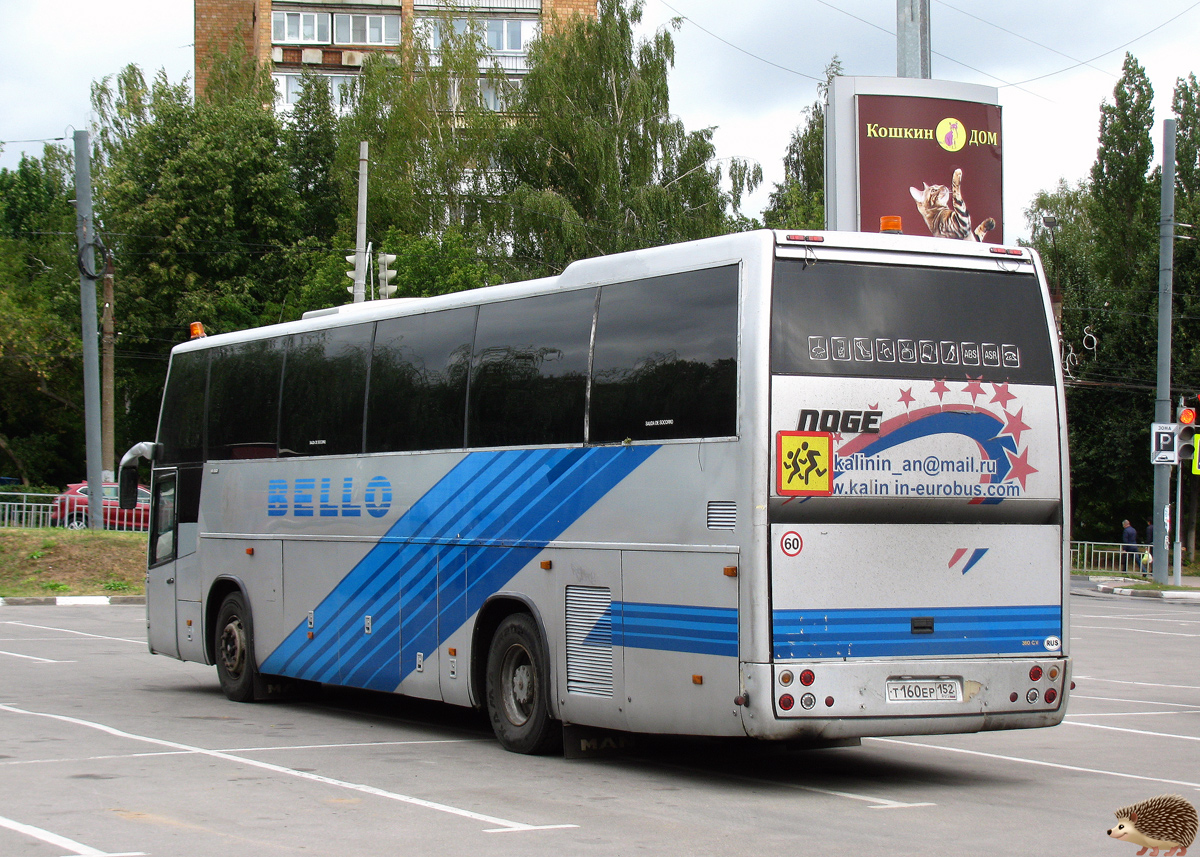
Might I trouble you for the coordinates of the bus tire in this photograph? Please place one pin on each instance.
(234, 646)
(518, 688)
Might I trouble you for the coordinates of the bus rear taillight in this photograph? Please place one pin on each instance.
(807, 678)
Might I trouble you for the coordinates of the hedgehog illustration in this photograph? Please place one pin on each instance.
(1166, 821)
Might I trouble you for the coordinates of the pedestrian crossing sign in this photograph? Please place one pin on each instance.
(804, 464)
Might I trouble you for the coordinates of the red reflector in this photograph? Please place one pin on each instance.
(807, 678)
(829, 702)
(1012, 697)
(786, 702)
(1051, 695)
(1072, 685)
(1035, 673)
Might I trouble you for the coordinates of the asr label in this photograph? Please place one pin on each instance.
(803, 464)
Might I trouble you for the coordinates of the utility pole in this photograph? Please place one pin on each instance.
(85, 237)
(912, 39)
(1162, 397)
(107, 385)
(360, 241)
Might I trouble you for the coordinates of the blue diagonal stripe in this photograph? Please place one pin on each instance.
(463, 540)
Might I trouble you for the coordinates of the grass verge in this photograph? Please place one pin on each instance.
(71, 562)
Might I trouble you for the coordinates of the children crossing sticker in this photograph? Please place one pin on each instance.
(804, 464)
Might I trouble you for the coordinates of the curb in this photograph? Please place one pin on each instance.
(72, 600)
(1150, 593)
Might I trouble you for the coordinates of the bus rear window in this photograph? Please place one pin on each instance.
(842, 318)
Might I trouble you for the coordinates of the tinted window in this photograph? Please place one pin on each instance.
(181, 427)
(666, 358)
(324, 388)
(418, 396)
(529, 373)
(243, 399)
(839, 318)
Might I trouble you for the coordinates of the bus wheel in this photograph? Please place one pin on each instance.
(235, 649)
(518, 687)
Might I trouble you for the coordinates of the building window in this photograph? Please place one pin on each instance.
(287, 88)
(510, 35)
(300, 28)
(366, 29)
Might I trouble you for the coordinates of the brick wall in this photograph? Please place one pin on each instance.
(218, 22)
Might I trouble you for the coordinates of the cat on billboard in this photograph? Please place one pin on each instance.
(920, 152)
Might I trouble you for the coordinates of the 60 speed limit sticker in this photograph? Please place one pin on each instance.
(791, 544)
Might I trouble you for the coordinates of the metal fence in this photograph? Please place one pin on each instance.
(25, 510)
(38, 510)
(1108, 557)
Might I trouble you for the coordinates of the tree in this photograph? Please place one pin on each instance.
(310, 139)
(799, 201)
(593, 163)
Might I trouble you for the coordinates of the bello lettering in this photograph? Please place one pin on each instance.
(322, 498)
(850, 422)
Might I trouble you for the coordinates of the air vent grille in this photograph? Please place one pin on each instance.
(722, 515)
(589, 641)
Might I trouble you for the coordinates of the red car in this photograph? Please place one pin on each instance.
(71, 509)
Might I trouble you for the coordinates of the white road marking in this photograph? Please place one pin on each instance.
(80, 633)
(1136, 683)
(502, 825)
(1135, 631)
(1137, 701)
(1037, 762)
(1125, 617)
(78, 849)
(1136, 731)
(32, 658)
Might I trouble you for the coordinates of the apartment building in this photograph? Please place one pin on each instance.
(333, 37)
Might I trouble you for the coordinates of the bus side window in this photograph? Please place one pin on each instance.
(324, 385)
(243, 400)
(418, 394)
(162, 535)
(665, 363)
(529, 371)
(181, 428)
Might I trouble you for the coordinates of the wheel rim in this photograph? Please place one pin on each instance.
(518, 685)
(233, 647)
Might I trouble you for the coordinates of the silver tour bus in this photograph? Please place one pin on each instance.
(791, 485)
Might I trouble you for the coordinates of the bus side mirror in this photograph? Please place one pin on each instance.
(128, 487)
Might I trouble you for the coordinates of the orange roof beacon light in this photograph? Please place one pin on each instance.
(196, 329)
(890, 224)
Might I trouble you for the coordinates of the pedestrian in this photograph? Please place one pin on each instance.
(1150, 533)
(1128, 545)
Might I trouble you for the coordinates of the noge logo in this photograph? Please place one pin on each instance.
(318, 497)
(850, 422)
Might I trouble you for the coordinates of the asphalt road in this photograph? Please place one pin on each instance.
(107, 750)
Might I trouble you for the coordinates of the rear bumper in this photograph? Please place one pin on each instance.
(850, 699)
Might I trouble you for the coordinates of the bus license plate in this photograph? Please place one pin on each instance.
(924, 690)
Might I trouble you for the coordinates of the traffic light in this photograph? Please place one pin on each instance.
(353, 272)
(1185, 437)
(386, 275)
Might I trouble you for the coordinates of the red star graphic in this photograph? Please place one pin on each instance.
(1002, 395)
(906, 398)
(837, 437)
(974, 388)
(1014, 425)
(940, 388)
(1019, 467)
(873, 407)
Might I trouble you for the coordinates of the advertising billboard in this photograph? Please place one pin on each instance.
(928, 151)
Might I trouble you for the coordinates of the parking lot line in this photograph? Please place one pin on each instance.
(78, 849)
(32, 658)
(1134, 731)
(502, 825)
(79, 633)
(1037, 762)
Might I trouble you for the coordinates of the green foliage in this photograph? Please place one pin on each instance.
(595, 163)
(799, 202)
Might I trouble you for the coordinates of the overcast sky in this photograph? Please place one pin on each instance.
(748, 68)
